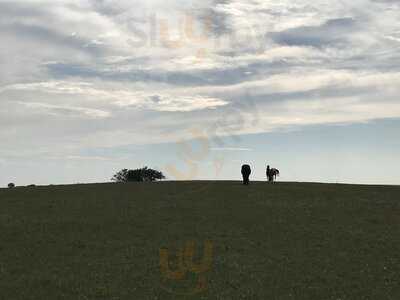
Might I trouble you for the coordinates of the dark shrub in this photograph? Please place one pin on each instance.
(138, 175)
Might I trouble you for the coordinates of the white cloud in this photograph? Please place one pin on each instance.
(61, 110)
(100, 71)
(86, 158)
(230, 149)
(171, 101)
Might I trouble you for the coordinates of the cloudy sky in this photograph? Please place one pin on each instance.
(196, 88)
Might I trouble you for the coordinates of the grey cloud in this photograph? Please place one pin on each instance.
(108, 8)
(218, 21)
(224, 76)
(15, 9)
(333, 32)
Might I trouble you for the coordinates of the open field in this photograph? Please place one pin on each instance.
(282, 241)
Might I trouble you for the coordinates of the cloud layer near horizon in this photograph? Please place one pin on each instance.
(90, 73)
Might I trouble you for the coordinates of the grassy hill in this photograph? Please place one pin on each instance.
(282, 241)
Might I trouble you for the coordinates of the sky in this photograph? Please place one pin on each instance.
(197, 88)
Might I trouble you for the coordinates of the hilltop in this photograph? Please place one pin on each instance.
(281, 241)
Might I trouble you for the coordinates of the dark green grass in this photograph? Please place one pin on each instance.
(282, 241)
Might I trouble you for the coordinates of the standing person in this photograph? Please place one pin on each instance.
(246, 171)
(269, 175)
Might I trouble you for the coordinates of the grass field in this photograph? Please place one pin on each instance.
(282, 241)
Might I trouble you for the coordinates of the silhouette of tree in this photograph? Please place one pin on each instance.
(121, 176)
(11, 185)
(138, 175)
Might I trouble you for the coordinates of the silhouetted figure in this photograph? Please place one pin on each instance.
(269, 177)
(272, 173)
(246, 171)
